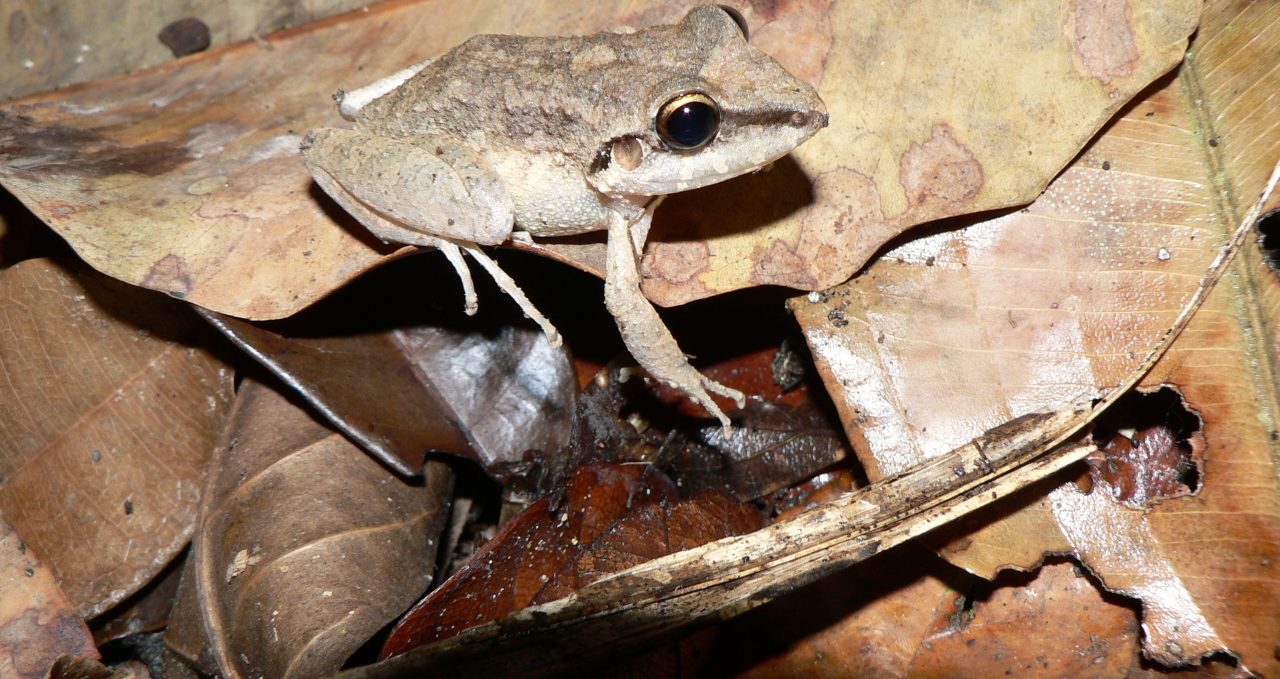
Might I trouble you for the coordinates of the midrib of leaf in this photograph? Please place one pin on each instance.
(1247, 298)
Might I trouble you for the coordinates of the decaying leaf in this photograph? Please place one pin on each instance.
(955, 331)
(197, 189)
(306, 545)
(774, 446)
(606, 518)
(108, 414)
(37, 621)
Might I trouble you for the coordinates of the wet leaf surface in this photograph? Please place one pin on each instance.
(786, 434)
(38, 623)
(306, 546)
(606, 518)
(197, 189)
(108, 411)
(953, 332)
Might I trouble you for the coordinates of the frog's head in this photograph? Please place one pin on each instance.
(721, 108)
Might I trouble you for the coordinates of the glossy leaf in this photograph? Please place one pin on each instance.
(109, 408)
(306, 546)
(405, 392)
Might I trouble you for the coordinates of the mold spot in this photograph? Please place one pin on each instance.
(1149, 449)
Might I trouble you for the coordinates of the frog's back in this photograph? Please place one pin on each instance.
(556, 94)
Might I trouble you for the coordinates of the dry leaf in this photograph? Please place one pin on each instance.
(956, 331)
(667, 595)
(38, 624)
(606, 518)
(197, 189)
(901, 615)
(937, 109)
(108, 415)
(306, 546)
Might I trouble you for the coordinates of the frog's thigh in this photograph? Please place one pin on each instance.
(409, 191)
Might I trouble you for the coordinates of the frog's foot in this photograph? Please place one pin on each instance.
(700, 396)
(510, 287)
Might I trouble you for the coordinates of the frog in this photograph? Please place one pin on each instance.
(508, 137)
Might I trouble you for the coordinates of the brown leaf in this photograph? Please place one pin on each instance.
(108, 414)
(306, 546)
(38, 624)
(606, 518)
(79, 40)
(901, 616)
(185, 634)
(962, 329)
(198, 190)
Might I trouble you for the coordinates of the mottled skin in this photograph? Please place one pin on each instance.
(508, 136)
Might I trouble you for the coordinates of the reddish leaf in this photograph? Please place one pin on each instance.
(606, 518)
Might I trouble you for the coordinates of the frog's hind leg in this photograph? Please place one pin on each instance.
(644, 333)
(513, 290)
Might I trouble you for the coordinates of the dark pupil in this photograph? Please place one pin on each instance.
(692, 124)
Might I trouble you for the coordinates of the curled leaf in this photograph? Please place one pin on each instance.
(306, 546)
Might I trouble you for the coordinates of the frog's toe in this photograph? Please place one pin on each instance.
(738, 397)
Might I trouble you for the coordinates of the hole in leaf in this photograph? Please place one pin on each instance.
(1147, 449)
(1268, 226)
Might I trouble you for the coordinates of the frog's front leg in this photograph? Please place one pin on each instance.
(643, 332)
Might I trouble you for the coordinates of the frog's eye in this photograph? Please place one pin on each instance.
(688, 121)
